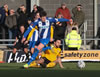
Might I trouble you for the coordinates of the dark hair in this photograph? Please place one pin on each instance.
(56, 40)
(29, 19)
(79, 5)
(74, 28)
(22, 5)
(43, 13)
(37, 12)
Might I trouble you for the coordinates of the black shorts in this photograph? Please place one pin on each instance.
(46, 61)
(72, 48)
(20, 45)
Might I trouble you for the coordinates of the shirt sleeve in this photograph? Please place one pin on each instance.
(58, 20)
(30, 34)
(30, 28)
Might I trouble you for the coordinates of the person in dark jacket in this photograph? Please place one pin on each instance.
(60, 27)
(4, 12)
(35, 10)
(78, 15)
(22, 16)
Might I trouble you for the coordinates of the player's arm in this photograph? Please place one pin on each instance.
(59, 62)
(28, 31)
(30, 34)
(58, 20)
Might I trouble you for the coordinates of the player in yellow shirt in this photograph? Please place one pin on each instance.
(50, 57)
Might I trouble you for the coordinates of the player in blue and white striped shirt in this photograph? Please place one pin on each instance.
(44, 27)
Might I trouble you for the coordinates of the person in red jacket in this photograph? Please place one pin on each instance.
(64, 11)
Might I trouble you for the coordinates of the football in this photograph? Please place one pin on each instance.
(81, 64)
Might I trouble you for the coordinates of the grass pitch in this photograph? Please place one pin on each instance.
(70, 69)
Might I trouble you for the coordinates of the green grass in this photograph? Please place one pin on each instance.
(70, 69)
(67, 66)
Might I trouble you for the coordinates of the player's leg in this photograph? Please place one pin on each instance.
(36, 51)
(51, 64)
(46, 61)
(43, 42)
(33, 47)
(36, 62)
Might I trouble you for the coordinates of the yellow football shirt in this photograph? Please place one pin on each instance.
(52, 54)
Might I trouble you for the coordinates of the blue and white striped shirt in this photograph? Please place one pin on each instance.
(44, 28)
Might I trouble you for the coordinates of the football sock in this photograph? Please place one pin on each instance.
(34, 55)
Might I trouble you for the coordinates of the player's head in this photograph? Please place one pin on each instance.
(57, 43)
(43, 15)
(37, 15)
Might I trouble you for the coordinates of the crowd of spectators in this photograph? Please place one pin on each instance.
(14, 19)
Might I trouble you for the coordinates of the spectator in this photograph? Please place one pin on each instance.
(37, 16)
(73, 40)
(35, 10)
(22, 16)
(69, 27)
(29, 21)
(64, 11)
(59, 30)
(78, 15)
(11, 23)
(4, 12)
(18, 44)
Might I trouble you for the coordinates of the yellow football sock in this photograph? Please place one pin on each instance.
(51, 64)
(33, 64)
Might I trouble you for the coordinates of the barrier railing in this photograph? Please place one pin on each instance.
(63, 42)
(84, 29)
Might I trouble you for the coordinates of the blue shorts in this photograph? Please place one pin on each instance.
(43, 41)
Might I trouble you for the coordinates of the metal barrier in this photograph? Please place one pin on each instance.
(84, 29)
(6, 40)
(63, 42)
